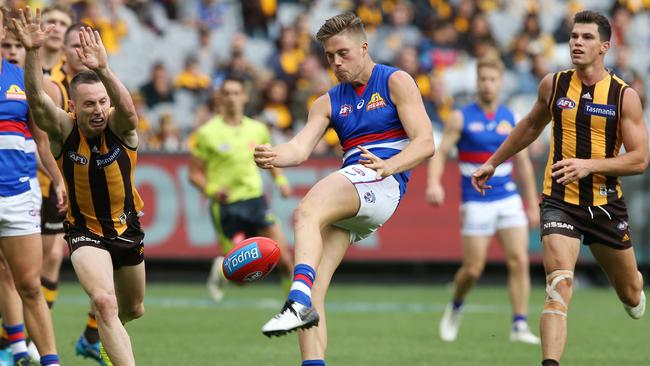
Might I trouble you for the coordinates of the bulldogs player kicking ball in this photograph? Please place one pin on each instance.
(378, 114)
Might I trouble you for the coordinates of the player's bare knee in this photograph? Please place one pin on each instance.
(132, 312)
(303, 213)
(474, 272)
(559, 288)
(629, 294)
(105, 304)
(29, 289)
(517, 262)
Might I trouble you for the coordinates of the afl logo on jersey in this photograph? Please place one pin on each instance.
(77, 158)
(565, 103)
(16, 93)
(345, 111)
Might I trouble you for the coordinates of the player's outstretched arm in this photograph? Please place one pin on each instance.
(298, 149)
(635, 139)
(45, 113)
(124, 119)
(453, 128)
(524, 133)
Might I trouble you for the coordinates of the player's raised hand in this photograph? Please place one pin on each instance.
(372, 161)
(570, 170)
(264, 156)
(92, 52)
(480, 178)
(28, 31)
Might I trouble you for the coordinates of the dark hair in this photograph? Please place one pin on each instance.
(339, 24)
(84, 77)
(594, 17)
(235, 78)
(73, 28)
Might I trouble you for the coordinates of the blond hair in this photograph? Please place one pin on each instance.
(491, 62)
(346, 22)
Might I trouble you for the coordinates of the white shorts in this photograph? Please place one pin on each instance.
(485, 218)
(378, 200)
(21, 214)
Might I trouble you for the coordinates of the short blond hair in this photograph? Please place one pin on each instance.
(346, 22)
(491, 62)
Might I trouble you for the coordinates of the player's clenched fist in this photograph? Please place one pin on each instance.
(264, 156)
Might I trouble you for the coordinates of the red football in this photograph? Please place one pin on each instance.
(251, 259)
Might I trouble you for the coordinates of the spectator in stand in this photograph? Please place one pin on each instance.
(191, 78)
(258, 15)
(275, 110)
(479, 32)
(210, 13)
(285, 62)
(370, 13)
(390, 38)
(465, 12)
(208, 109)
(167, 139)
(438, 50)
(439, 103)
(106, 20)
(205, 53)
(407, 60)
(622, 67)
(312, 75)
(540, 41)
(144, 126)
(519, 60)
(159, 89)
(563, 31)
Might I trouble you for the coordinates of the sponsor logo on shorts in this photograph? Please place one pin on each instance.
(359, 171)
(107, 159)
(622, 225)
(253, 276)
(565, 103)
(600, 110)
(345, 110)
(557, 225)
(77, 158)
(625, 237)
(141, 251)
(84, 238)
(370, 197)
(242, 257)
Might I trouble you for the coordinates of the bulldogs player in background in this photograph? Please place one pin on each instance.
(478, 129)
(378, 114)
(594, 112)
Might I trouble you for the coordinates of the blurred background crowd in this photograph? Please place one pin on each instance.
(173, 54)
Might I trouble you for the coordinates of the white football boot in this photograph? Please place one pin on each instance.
(521, 333)
(450, 323)
(292, 316)
(636, 312)
(216, 280)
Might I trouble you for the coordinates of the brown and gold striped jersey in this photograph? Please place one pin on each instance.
(98, 174)
(62, 81)
(585, 125)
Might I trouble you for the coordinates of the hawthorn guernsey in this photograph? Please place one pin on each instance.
(252, 259)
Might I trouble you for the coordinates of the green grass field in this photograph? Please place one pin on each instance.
(369, 325)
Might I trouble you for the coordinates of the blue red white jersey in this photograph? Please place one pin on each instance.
(17, 147)
(370, 119)
(481, 136)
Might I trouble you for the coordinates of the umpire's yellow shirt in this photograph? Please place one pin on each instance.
(227, 151)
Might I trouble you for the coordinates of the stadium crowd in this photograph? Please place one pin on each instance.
(173, 55)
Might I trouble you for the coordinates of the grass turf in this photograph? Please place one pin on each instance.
(368, 325)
